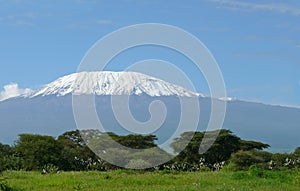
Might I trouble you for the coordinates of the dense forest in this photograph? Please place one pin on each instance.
(70, 152)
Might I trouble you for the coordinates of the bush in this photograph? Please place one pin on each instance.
(283, 161)
(10, 163)
(204, 169)
(230, 168)
(256, 171)
(50, 169)
(242, 160)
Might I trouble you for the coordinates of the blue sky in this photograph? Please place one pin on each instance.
(255, 43)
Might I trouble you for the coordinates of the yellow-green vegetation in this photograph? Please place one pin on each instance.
(254, 179)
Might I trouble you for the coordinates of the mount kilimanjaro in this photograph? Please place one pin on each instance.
(49, 109)
(112, 83)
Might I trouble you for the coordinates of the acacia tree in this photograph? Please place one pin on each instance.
(136, 141)
(144, 150)
(75, 154)
(221, 150)
(37, 151)
(249, 145)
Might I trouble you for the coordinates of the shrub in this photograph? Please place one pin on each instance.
(204, 169)
(283, 161)
(50, 169)
(242, 160)
(229, 168)
(256, 171)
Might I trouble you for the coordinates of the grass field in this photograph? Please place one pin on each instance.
(160, 180)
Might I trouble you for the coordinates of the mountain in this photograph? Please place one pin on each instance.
(49, 110)
(112, 83)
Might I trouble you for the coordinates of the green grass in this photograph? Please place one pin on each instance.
(161, 180)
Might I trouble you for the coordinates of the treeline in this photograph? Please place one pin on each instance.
(71, 152)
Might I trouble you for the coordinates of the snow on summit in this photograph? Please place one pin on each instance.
(112, 83)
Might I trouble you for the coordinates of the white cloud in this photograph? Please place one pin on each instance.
(20, 19)
(13, 90)
(22, 23)
(275, 7)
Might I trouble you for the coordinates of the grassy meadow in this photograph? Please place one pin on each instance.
(157, 180)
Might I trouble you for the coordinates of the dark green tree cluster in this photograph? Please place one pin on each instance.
(8, 158)
(36, 152)
(229, 150)
(133, 151)
(80, 150)
(219, 153)
(243, 160)
(71, 151)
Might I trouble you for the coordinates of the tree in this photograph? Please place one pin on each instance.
(9, 159)
(221, 150)
(37, 151)
(135, 147)
(249, 145)
(188, 154)
(297, 157)
(5, 150)
(297, 152)
(225, 144)
(136, 141)
(75, 154)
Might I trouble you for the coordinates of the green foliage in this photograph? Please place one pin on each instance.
(37, 151)
(297, 152)
(71, 151)
(49, 169)
(224, 146)
(75, 154)
(5, 150)
(296, 155)
(257, 171)
(230, 167)
(242, 160)
(282, 161)
(5, 187)
(221, 150)
(204, 169)
(8, 160)
(135, 147)
(135, 141)
(11, 162)
(250, 145)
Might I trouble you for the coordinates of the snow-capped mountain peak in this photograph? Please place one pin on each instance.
(112, 83)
